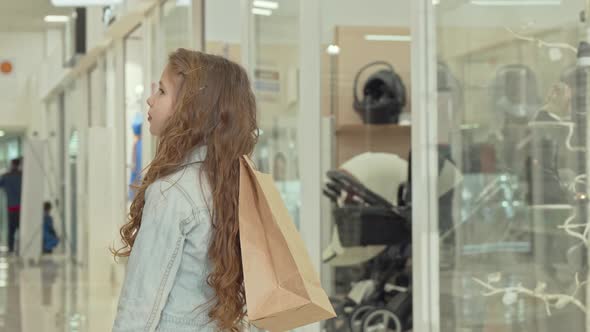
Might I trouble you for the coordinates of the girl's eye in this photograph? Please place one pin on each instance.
(161, 91)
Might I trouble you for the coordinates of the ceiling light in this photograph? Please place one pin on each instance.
(393, 38)
(2, 133)
(56, 18)
(260, 11)
(333, 49)
(266, 4)
(84, 3)
(516, 2)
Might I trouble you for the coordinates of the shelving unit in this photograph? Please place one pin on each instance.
(355, 139)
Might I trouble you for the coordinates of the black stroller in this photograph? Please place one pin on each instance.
(382, 299)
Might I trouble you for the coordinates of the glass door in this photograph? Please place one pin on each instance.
(506, 177)
(276, 85)
(134, 108)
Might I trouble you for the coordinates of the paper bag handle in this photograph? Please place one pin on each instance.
(249, 162)
(251, 170)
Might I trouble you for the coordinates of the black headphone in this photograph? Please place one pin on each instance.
(384, 95)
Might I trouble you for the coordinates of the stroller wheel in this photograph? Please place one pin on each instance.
(337, 324)
(381, 320)
(356, 319)
(340, 322)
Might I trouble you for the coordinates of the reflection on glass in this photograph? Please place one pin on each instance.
(366, 81)
(176, 25)
(134, 101)
(512, 108)
(222, 29)
(276, 87)
(73, 151)
(9, 150)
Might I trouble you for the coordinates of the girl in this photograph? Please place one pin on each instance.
(185, 271)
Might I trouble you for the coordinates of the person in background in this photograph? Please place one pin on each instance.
(135, 178)
(50, 239)
(11, 183)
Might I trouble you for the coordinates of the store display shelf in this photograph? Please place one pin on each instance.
(355, 129)
(352, 140)
(552, 207)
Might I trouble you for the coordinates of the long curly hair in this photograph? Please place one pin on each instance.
(215, 107)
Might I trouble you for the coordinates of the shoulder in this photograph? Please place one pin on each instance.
(186, 189)
(171, 204)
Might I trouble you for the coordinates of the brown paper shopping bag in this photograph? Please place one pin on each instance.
(283, 290)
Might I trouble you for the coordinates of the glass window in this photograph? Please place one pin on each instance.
(512, 164)
(157, 60)
(73, 152)
(110, 86)
(176, 25)
(222, 28)
(13, 149)
(155, 70)
(276, 85)
(134, 106)
(365, 90)
(72, 103)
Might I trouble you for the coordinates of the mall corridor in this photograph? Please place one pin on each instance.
(307, 165)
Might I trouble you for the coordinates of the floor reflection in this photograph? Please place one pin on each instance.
(53, 295)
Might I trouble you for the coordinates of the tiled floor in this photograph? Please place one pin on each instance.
(54, 295)
(57, 295)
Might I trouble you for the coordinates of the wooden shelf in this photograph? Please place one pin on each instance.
(371, 129)
(352, 140)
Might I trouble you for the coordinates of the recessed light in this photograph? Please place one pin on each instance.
(84, 3)
(261, 11)
(266, 4)
(56, 18)
(516, 2)
(393, 38)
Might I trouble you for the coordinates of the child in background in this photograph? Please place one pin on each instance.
(50, 239)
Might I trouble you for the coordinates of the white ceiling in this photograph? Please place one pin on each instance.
(27, 15)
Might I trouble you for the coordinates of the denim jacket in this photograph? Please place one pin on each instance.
(165, 287)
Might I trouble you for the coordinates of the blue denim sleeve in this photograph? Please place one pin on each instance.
(154, 260)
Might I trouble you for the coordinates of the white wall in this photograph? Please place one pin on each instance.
(53, 41)
(95, 29)
(25, 50)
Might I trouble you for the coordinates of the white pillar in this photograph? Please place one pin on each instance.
(309, 133)
(102, 233)
(31, 219)
(425, 247)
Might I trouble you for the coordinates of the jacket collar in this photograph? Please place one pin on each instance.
(197, 155)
